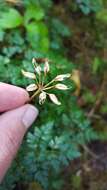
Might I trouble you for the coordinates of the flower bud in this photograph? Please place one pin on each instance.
(28, 74)
(61, 86)
(33, 60)
(54, 99)
(62, 77)
(46, 67)
(31, 87)
(42, 97)
(38, 70)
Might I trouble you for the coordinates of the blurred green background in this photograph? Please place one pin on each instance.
(61, 149)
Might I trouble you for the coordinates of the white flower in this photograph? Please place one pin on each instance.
(36, 66)
(62, 77)
(31, 87)
(46, 67)
(61, 86)
(29, 74)
(54, 99)
(42, 97)
(38, 70)
(33, 60)
(40, 86)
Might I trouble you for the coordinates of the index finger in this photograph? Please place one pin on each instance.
(12, 97)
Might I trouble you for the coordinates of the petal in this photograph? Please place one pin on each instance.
(28, 74)
(46, 67)
(54, 99)
(42, 97)
(61, 86)
(33, 60)
(38, 70)
(62, 77)
(31, 87)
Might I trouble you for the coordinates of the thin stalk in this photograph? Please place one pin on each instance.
(35, 65)
(36, 80)
(43, 79)
(39, 78)
(50, 87)
(36, 93)
(49, 83)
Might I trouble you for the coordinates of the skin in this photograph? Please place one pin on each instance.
(15, 119)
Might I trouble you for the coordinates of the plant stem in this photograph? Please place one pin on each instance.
(49, 83)
(33, 96)
(43, 79)
(35, 65)
(50, 87)
(39, 78)
(36, 80)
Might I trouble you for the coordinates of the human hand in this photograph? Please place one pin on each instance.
(14, 122)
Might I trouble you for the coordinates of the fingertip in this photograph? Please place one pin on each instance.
(29, 116)
(12, 97)
(13, 126)
(23, 94)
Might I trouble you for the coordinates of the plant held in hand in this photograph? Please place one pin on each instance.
(39, 87)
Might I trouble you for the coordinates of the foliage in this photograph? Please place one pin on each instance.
(59, 133)
(52, 146)
(88, 6)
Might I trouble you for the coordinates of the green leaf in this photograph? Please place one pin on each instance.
(60, 28)
(96, 65)
(102, 15)
(2, 33)
(37, 34)
(76, 181)
(10, 19)
(85, 9)
(104, 109)
(33, 12)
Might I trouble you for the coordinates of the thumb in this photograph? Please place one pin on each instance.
(13, 125)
